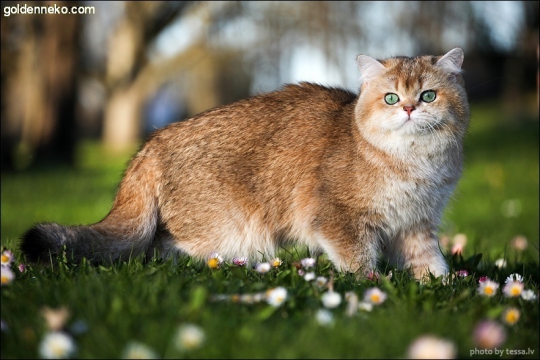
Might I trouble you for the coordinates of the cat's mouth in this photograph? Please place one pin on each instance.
(422, 126)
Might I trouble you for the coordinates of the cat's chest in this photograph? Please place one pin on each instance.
(404, 201)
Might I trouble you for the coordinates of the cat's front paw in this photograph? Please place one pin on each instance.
(368, 274)
(422, 273)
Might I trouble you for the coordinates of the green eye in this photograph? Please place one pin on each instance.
(428, 96)
(391, 98)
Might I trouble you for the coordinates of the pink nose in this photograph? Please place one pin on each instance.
(409, 109)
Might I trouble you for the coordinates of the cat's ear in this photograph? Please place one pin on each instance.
(369, 67)
(451, 61)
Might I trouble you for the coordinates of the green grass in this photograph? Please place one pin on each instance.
(496, 200)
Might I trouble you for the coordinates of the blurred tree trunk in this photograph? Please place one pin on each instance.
(142, 22)
(517, 83)
(40, 82)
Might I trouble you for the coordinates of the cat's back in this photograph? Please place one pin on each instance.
(295, 108)
(292, 99)
(321, 98)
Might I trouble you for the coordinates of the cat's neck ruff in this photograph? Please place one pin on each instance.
(420, 150)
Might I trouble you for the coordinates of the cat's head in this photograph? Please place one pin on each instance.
(405, 101)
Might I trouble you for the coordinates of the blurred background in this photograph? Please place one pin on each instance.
(124, 69)
(114, 74)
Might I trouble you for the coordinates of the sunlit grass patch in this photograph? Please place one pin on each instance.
(188, 309)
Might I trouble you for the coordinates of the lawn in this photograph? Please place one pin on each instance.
(230, 309)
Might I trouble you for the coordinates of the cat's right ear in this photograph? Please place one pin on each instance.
(451, 61)
(369, 67)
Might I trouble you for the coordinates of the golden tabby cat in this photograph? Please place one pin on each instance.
(348, 174)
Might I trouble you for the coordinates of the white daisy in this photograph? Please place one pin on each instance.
(321, 281)
(324, 317)
(500, 263)
(263, 268)
(308, 263)
(375, 296)
(7, 257)
(431, 347)
(276, 296)
(57, 345)
(276, 262)
(309, 276)
(214, 260)
(258, 297)
(511, 315)
(331, 299)
(7, 275)
(365, 306)
(528, 295)
(488, 288)
(514, 277)
(189, 337)
(137, 350)
(513, 289)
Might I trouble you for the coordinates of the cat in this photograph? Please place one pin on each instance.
(349, 174)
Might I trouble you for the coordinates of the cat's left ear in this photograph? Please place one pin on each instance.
(451, 61)
(369, 67)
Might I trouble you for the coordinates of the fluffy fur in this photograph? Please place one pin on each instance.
(344, 173)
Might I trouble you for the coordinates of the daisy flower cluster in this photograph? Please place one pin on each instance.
(8, 260)
(513, 288)
(58, 341)
(306, 267)
(488, 333)
(274, 297)
(330, 300)
(187, 337)
(215, 261)
(264, 267)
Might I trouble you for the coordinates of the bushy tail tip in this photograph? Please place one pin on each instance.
(38, 245)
